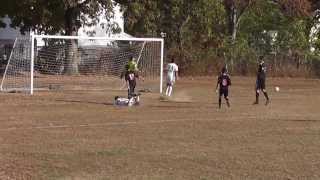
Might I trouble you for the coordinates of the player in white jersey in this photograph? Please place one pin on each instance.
(172, 76)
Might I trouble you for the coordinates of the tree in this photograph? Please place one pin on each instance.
(234, 11)
(58, 16)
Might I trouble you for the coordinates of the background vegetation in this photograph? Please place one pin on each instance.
(202, 35)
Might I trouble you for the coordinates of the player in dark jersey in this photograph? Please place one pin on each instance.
(224, 82)
(261, 83)
(130, 75)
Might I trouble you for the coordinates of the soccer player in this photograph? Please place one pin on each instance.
(261, 82)
(121, 101)
(172, 76)
(130, 74)
(223, 82)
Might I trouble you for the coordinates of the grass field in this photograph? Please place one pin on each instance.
(81, 135)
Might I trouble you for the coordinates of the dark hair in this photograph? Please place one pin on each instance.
(224, 69)
(115, 98)
(172, 59)
(260, 57)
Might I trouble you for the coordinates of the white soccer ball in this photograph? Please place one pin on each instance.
(277, 88)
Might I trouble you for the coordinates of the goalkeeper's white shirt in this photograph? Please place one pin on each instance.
(172, 68)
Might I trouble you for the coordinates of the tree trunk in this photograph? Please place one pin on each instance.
(72, 60)
(233, 22)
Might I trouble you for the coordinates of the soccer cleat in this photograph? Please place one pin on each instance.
(255, 103)
(228, 104)
(267, 102)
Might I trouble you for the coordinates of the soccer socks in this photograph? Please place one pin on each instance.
(257, 98)
(170, 91)
(267, 97)
(227, 100)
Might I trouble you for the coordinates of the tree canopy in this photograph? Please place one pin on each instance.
(202, 33)
(55, 16)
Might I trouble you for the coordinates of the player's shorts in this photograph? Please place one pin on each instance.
(260, 84)
(170, 81)
(224, 92)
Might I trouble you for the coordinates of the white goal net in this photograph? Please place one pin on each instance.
(81, 63)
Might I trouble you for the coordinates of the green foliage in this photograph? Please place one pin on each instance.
(203, 34)
(55, 16)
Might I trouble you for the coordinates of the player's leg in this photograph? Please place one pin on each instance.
(263, 87)
(132, 86)
(170, 90)
(220, 95)
(267, 97)
(131, 93)
(170, 87)
(167, 90)
(170, 82)
(226, 97)
(258, 87)
(257, 96)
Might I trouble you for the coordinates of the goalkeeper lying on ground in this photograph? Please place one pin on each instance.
(121, 101)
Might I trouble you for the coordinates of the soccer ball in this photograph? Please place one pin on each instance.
(277, 88)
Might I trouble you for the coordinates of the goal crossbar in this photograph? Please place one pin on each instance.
(97, 38)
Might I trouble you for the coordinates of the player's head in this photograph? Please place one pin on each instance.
(224, 70)
(172, 59)
(261, 58)
(261, 61)
(116, 98)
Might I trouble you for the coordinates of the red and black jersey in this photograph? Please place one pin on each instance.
(261, 74)
(224, 81)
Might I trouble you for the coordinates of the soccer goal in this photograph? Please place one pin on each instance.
(45, 62)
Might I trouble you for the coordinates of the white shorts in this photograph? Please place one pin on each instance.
(170, 80)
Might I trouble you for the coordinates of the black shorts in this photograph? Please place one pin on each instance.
(260, 84)
(224, 92)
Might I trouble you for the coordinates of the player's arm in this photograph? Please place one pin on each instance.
(218, 82)
(176, 74)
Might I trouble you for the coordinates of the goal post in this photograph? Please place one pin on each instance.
(45, 62)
